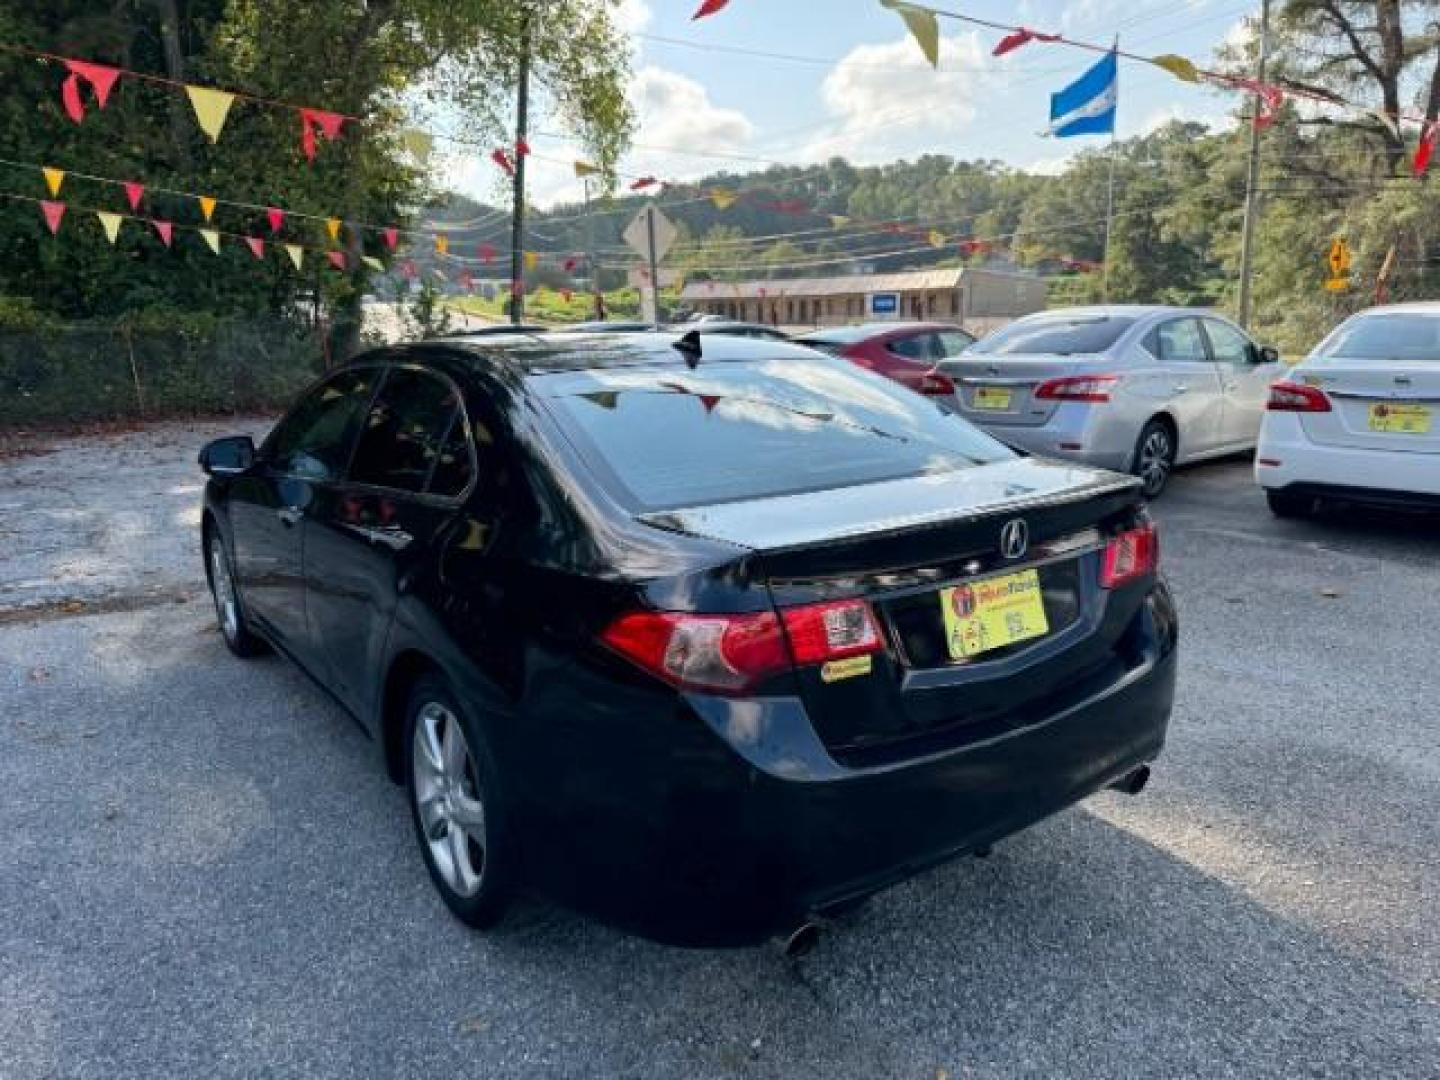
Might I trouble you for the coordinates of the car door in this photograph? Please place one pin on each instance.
(268, 504)
(369, 535)
(916, 355)
(1185, 383)
(1244, 380)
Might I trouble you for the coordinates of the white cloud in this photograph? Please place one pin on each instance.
(632, 16)
(886, 100)
(1049, 166)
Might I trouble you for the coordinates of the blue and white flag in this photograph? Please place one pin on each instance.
(1087, 106)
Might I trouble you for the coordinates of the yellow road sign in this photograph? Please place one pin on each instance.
(1339, 257)
(1337, 284)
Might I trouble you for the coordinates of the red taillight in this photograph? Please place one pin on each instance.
(1077, 388)
(830, 631)
(731, 653)
(1296, 397)
(1133, 554)
(933, 382)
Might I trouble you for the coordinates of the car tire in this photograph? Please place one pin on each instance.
(229, 604)
(1154, 458)
(1289, 504)
(457, 805)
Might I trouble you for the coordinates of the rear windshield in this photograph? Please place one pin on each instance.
(1056, 335)
(667, 438)
(1390, 336)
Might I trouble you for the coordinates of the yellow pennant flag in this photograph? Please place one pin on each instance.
(923, 25)
(211, 108)
(1178, 66)
(207, 206)
(838, 221)
(584, 168)
(53, 179)
(419, 143)
(212, 237)
(936, 238)
(532, 260)
(332, 226)
(442, 243)
(110, 223)
(722, 198)
(296, 253)
(373, 263)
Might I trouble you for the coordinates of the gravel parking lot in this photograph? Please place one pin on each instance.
(204, 871)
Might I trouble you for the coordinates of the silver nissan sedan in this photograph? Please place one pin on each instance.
(1131, 388)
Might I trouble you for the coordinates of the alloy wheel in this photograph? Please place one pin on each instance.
(222, 587)
(1155, 460)
(447, 797)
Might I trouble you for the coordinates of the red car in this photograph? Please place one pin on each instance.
(908, 352)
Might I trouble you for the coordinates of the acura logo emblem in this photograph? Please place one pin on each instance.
(1014, 538)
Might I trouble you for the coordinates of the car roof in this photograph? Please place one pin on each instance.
(1116, 311)
(1412, 307)
(860, 331)
(535, 354)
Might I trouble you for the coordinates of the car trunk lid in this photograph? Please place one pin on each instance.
(1001, 390)
(1376, 406)
(909, 548)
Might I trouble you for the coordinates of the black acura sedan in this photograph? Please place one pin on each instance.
(704, 637)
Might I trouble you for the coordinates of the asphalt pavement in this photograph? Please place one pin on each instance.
(204, 872)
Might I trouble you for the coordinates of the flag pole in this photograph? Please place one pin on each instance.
(1110, 190)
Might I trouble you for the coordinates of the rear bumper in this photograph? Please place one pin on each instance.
(1076, 431)
(745, 825)
(1389, 476)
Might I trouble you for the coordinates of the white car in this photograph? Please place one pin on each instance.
(1359, 419)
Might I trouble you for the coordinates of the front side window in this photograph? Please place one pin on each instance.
(1228, 345)
(313, 442)
(414, 437)
(1179, 341)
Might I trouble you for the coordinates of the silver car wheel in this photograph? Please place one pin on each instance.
(1155, 460)
(222, 587)
(447, 797)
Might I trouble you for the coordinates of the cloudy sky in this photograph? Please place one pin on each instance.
(856, 85)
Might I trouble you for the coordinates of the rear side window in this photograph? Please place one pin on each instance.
(414, 437)
(313, 442)
(1385, 336)
(1056, 335)
(955, 342)
(665, 438)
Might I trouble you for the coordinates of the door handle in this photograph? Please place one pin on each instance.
(289, 515)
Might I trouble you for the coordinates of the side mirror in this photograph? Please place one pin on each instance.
(228, 457)
(1267, 354)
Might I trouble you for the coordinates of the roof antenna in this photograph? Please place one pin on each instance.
(689, 346)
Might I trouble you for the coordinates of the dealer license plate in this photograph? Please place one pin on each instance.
(991, 397)
(1400, 419)
(992, 613)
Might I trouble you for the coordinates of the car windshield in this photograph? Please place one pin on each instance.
(1056, 335)
(754, 429)
(1385, 336)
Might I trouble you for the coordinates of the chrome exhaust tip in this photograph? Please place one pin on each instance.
(1133, 782)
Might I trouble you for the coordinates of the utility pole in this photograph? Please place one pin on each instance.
(517, 211)
(1252, 178)
(597, 306)
(1110, 198)
(654, 262)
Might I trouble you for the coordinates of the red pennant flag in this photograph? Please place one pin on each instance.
(643, 183)
(1011, 42)
(521, 147)
(100, 77)
(53, 212)
(328, 124)
(276, 217)
(257, 246)
(337, 259)
(1429, 135)
(487, 253)
(709, 7)
(503, 160)
(134, 192)
(570, 265)
(407, 268)
(166, 231)
(391, 236)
